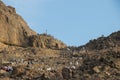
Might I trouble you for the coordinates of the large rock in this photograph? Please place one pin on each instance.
(46, 41)
(13, 29)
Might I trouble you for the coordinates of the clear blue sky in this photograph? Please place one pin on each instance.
(74, 22)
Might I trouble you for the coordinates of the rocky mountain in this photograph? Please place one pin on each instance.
(26, 55)
(15, 31)
(113, 40)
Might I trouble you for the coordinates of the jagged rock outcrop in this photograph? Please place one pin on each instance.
(46, 41)
(111, 41)
(13, 29)
(115, 37)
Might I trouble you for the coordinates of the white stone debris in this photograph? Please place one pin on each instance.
(73, 67)
(77, 63)
(48, 69)
(71, 63)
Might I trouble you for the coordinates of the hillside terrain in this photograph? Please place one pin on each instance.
(26, 55)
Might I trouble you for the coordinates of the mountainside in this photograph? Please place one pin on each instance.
(45, 41)
(26, 55)
(111, 41)
(15, 31)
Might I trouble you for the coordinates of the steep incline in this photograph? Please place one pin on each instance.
(13, 29)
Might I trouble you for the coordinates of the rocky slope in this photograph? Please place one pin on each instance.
(15, 31)
(42, 57)
(64, 64)
(46, 41)
(113, 40)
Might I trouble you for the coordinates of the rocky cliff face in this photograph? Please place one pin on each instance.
(13, 29)
(46, 41)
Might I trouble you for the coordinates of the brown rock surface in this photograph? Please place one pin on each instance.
(113, 40)
(13, 29)
(44, 58)
(46, 41)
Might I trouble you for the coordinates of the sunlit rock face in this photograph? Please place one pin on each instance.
(13, 29)
(46, 41)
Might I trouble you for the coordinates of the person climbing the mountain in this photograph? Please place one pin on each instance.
(7, 68)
